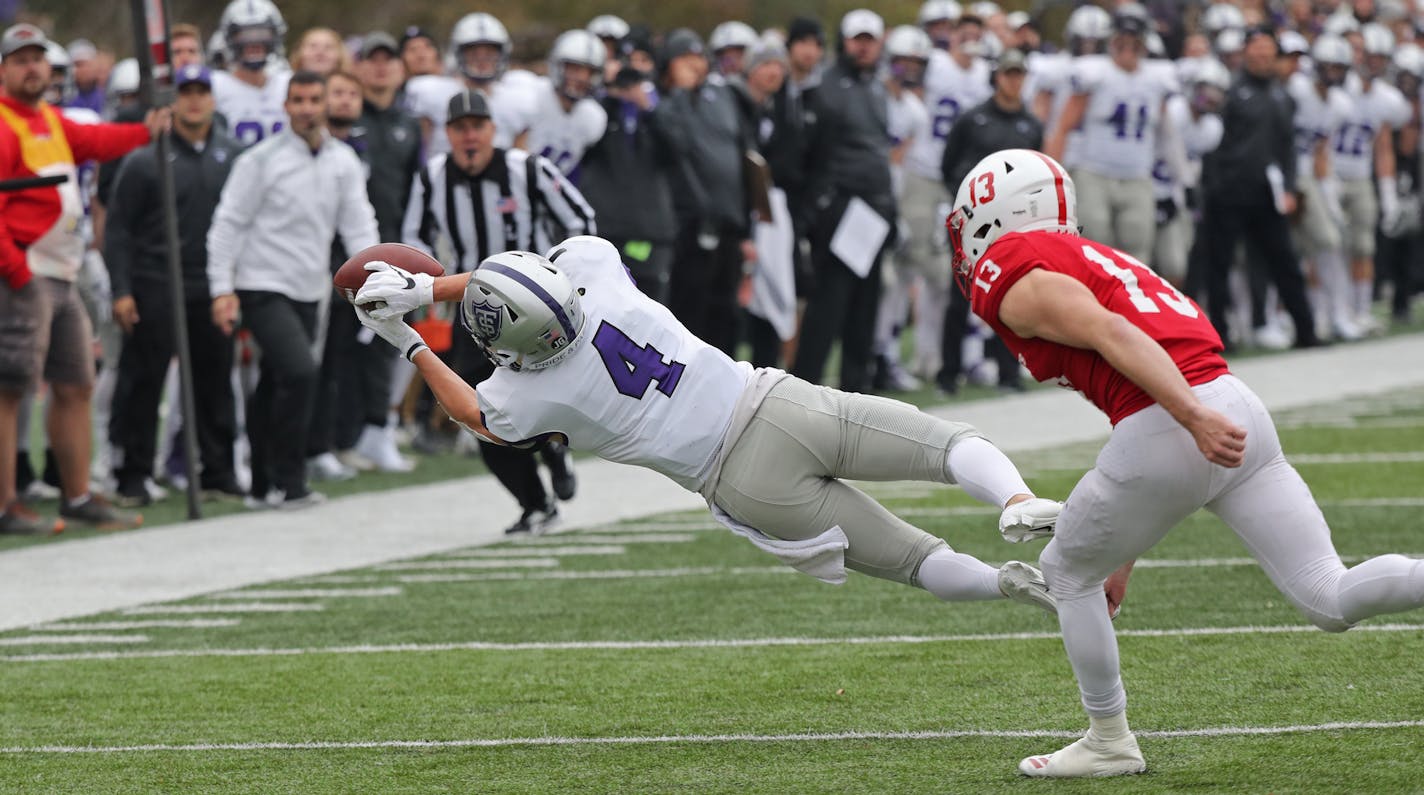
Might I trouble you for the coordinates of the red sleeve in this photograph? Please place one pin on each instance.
(103, 142)
(1007, 261)
(14, 267)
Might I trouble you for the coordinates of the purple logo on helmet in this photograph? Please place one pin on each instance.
(488, 320)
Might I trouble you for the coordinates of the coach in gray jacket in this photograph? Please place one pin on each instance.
(268, 254)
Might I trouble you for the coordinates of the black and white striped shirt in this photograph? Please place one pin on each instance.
(510, 214)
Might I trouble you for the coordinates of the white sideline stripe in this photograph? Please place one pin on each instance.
(627, 645)
(161, 623)
(702, 525)
(553, 552)
(610, 538)
(1379, 502)
(1412, 457)
(46, 640)
(472, 563)
(958, 510)
(236, 607)
(610, 574)
(813, 737)
(309, 593)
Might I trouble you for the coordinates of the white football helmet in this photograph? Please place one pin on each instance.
(247, 22)
(1211, 72)
(580, 47)
(1087, 23)
(1330, 49)
(608, 26)
(938, 11)
(1340, 23)
(731, 34)
(1409, 59)
(1222, 16)
(479, 28)
(985, 10)
(124, 79)
(521, 310)
(908, 41)
(1378, 40)
(1015, 190)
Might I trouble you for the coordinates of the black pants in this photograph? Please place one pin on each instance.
(138, 389)
(653, 275)
(840, 306)
(1395, 260)
(279, 412)
(956, 323)
(766, 343)
(354, 389)
(703, 293)
(1267, 237)
(517, 470)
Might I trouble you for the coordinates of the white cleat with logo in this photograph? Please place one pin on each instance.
(1023, 583)
(1088, 757)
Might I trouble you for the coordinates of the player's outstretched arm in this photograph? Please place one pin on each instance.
(1061, 309)
(391, 292)
(457, 397)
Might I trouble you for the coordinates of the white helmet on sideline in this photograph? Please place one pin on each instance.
(521, 310)
(246, 22)
(1015, 190)
(577, 47)
(908, 41)
(732, 33)
(938, 11)
(608, 26)
(479, 28)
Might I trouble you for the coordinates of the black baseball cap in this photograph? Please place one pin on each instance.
(468, 103)
(379, 40)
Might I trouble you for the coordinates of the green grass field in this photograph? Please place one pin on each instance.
(667, 655)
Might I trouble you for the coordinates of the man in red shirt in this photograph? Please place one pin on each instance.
(1186, 435)
(44, 330)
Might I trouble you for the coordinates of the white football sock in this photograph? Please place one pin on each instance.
(984, 471)
(956, 577)
(1108, 728)
(1386, 584)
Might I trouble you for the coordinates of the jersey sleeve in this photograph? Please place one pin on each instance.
(1007, 261)
(591, 121)
(587, 259)
(1086, 75)
(493, 395)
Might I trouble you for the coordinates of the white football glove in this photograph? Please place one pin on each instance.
(1028, 520)
(393, 330)
(393, 292)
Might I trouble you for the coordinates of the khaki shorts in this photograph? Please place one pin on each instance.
(1357, 198)
(783, 474)
(1314, 231)
(44, 330)
(1121, 213)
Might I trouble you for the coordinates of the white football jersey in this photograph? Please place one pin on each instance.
(1199, 136)
(1120, 123)
(428, 97)
(561, 137)
(907, 120)
(636, 387)
(1316, 118)
(1354, 140)
(949, 91)
(1054, 75)
(252, 113)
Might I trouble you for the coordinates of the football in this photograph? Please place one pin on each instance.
(352, 273)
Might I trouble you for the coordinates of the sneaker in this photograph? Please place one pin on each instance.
(1023, 583)
(379, 445)
(132, 495)
(535, 521)
(38, 491)
(326, 467)
(224, 490)
(355, 460)
(1029, 520)
(561, 470)
(156, 493)
(1089, 756)
(310, 499)
(253, 502)
(19, 520)
(1346, 330)
(1271, 338)
(97, 512)
(898, 379)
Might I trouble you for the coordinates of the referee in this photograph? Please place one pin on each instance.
(483, 200)
(1000, 122)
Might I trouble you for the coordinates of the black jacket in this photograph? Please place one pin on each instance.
(388, 142)
(849, 147)
(625, 176)
(1258, 131)
(703, 127)
(135, 241)
(982, 131)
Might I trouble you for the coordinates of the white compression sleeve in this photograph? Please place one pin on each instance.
(956, 577)
(984, 471)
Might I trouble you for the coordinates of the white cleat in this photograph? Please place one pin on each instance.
(1088, 757)
(1028, 520)
(1023, 583)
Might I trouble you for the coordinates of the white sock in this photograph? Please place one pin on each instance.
(984, 471)
(1386, 584)
(1335, 285)
(1364, 297)
(1110, 728)
(956, 577)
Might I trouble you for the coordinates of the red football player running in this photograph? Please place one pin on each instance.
(1186, 435)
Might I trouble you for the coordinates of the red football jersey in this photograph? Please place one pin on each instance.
(1122, 285)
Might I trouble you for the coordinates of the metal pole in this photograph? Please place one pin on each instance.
(150, 24)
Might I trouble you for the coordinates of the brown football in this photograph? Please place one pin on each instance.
(352, 273)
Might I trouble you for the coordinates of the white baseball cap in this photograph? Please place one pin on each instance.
(862, 22)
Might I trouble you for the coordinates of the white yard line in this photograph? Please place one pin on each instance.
(47, 640)
(493, 563)
(673, 739)
(308, 593)
(631, 645)
(621, 537)
(610, 574)
(158, 623)
(551, 551)
(1382, 502)
(243, 607)
(1409, 457)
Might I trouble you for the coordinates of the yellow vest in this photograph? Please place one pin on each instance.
(39, 151)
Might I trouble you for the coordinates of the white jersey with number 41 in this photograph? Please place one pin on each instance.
(636, 387)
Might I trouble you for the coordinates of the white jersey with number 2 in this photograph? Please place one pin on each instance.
(636, 387)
